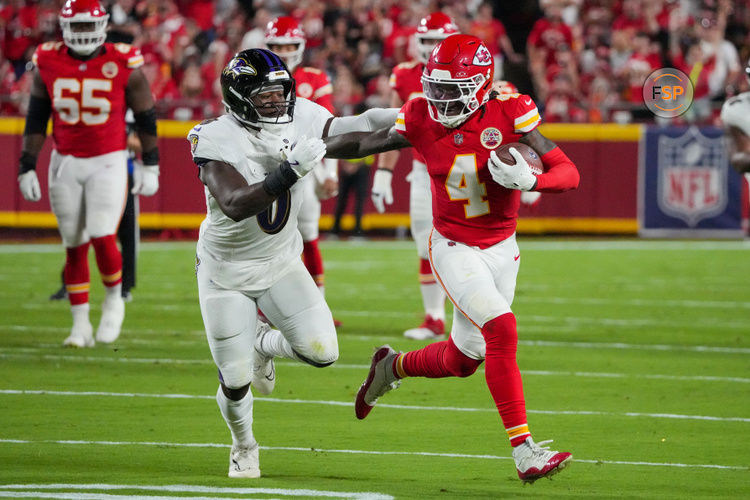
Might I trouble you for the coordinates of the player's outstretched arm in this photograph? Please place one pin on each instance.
(360, 144)
(560, 173)
(739, 144)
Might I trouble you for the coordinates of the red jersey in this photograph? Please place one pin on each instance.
(313, 84)
(88, 97)
(467, 204)
(406, 80)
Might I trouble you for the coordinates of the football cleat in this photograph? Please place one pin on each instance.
(113, 312)
(60, 294)
(430, 329)
(534, 461)
(81, 335)
(380, 380)
(264, 371)
(244, 461)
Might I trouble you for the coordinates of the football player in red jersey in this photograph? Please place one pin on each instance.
(406, 85)
(86, 85)
(456, 127)
(285, 37)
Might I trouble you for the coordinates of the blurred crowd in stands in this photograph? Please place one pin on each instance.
(582, 60)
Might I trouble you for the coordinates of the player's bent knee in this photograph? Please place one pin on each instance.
(458, 363)
(319, 361)
(235, 375)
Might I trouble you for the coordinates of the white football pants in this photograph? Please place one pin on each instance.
(292, 303)
(480, 283)
(87, 195)
(420, 207)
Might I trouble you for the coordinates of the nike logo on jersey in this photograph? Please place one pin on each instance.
(197, 128)
(517, 257)
(528, 101)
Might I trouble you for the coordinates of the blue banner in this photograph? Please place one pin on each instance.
(686, 186)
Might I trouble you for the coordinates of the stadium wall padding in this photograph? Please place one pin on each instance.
(605, 202)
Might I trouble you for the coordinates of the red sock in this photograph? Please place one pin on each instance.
(437, 360)
(76, 274)
(504, 377)
(108, 259)
(425, 272)
(313, 260)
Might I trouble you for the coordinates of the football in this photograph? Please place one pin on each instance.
(531, 156)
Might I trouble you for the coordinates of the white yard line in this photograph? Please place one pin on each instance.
(29, 489)
(368, 452)
(348, 366)
(380, 405)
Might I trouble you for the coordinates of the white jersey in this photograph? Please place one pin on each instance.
(253, 247)
(736, 112)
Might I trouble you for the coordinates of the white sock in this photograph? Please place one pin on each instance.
(80, 314)
(275, 345)
(113, 292)
(433, 299)
(239, 417)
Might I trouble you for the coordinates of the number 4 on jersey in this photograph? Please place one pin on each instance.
(463, 183)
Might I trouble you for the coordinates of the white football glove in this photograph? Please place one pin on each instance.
(29, 185)
(381, 192)
(516, 176)
(305, 154)
(269, 146)
(528, 198)
(145, 179)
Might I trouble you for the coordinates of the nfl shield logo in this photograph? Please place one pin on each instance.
(458, 139)
(692, 179)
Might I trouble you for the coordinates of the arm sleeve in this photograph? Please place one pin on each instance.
(560, 173)
(369, 121)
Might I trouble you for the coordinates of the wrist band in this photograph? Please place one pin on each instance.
(26, 163)
(280, 180)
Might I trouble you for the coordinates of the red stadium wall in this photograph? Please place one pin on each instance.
(605, 202)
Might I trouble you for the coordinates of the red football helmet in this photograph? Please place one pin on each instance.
(84, 25)
(285, 37)
(431, 30)
(457, 79)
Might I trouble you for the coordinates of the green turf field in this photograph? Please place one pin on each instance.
(635, 355)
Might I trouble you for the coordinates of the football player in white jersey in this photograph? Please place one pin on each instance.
(735, 114)
(248, 252)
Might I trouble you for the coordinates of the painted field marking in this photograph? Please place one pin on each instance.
(366, 452)
(381, 405)
(30, 354)
(31, 491)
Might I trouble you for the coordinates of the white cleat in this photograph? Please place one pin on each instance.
(113, 312)
(80, 336)
(244, 461)
(264, 371)
(534, 461)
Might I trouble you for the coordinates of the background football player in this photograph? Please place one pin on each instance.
(86, 85)
(284, 36)
(247, 258)
(735, 114)
(405, 83)
(457, 127)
